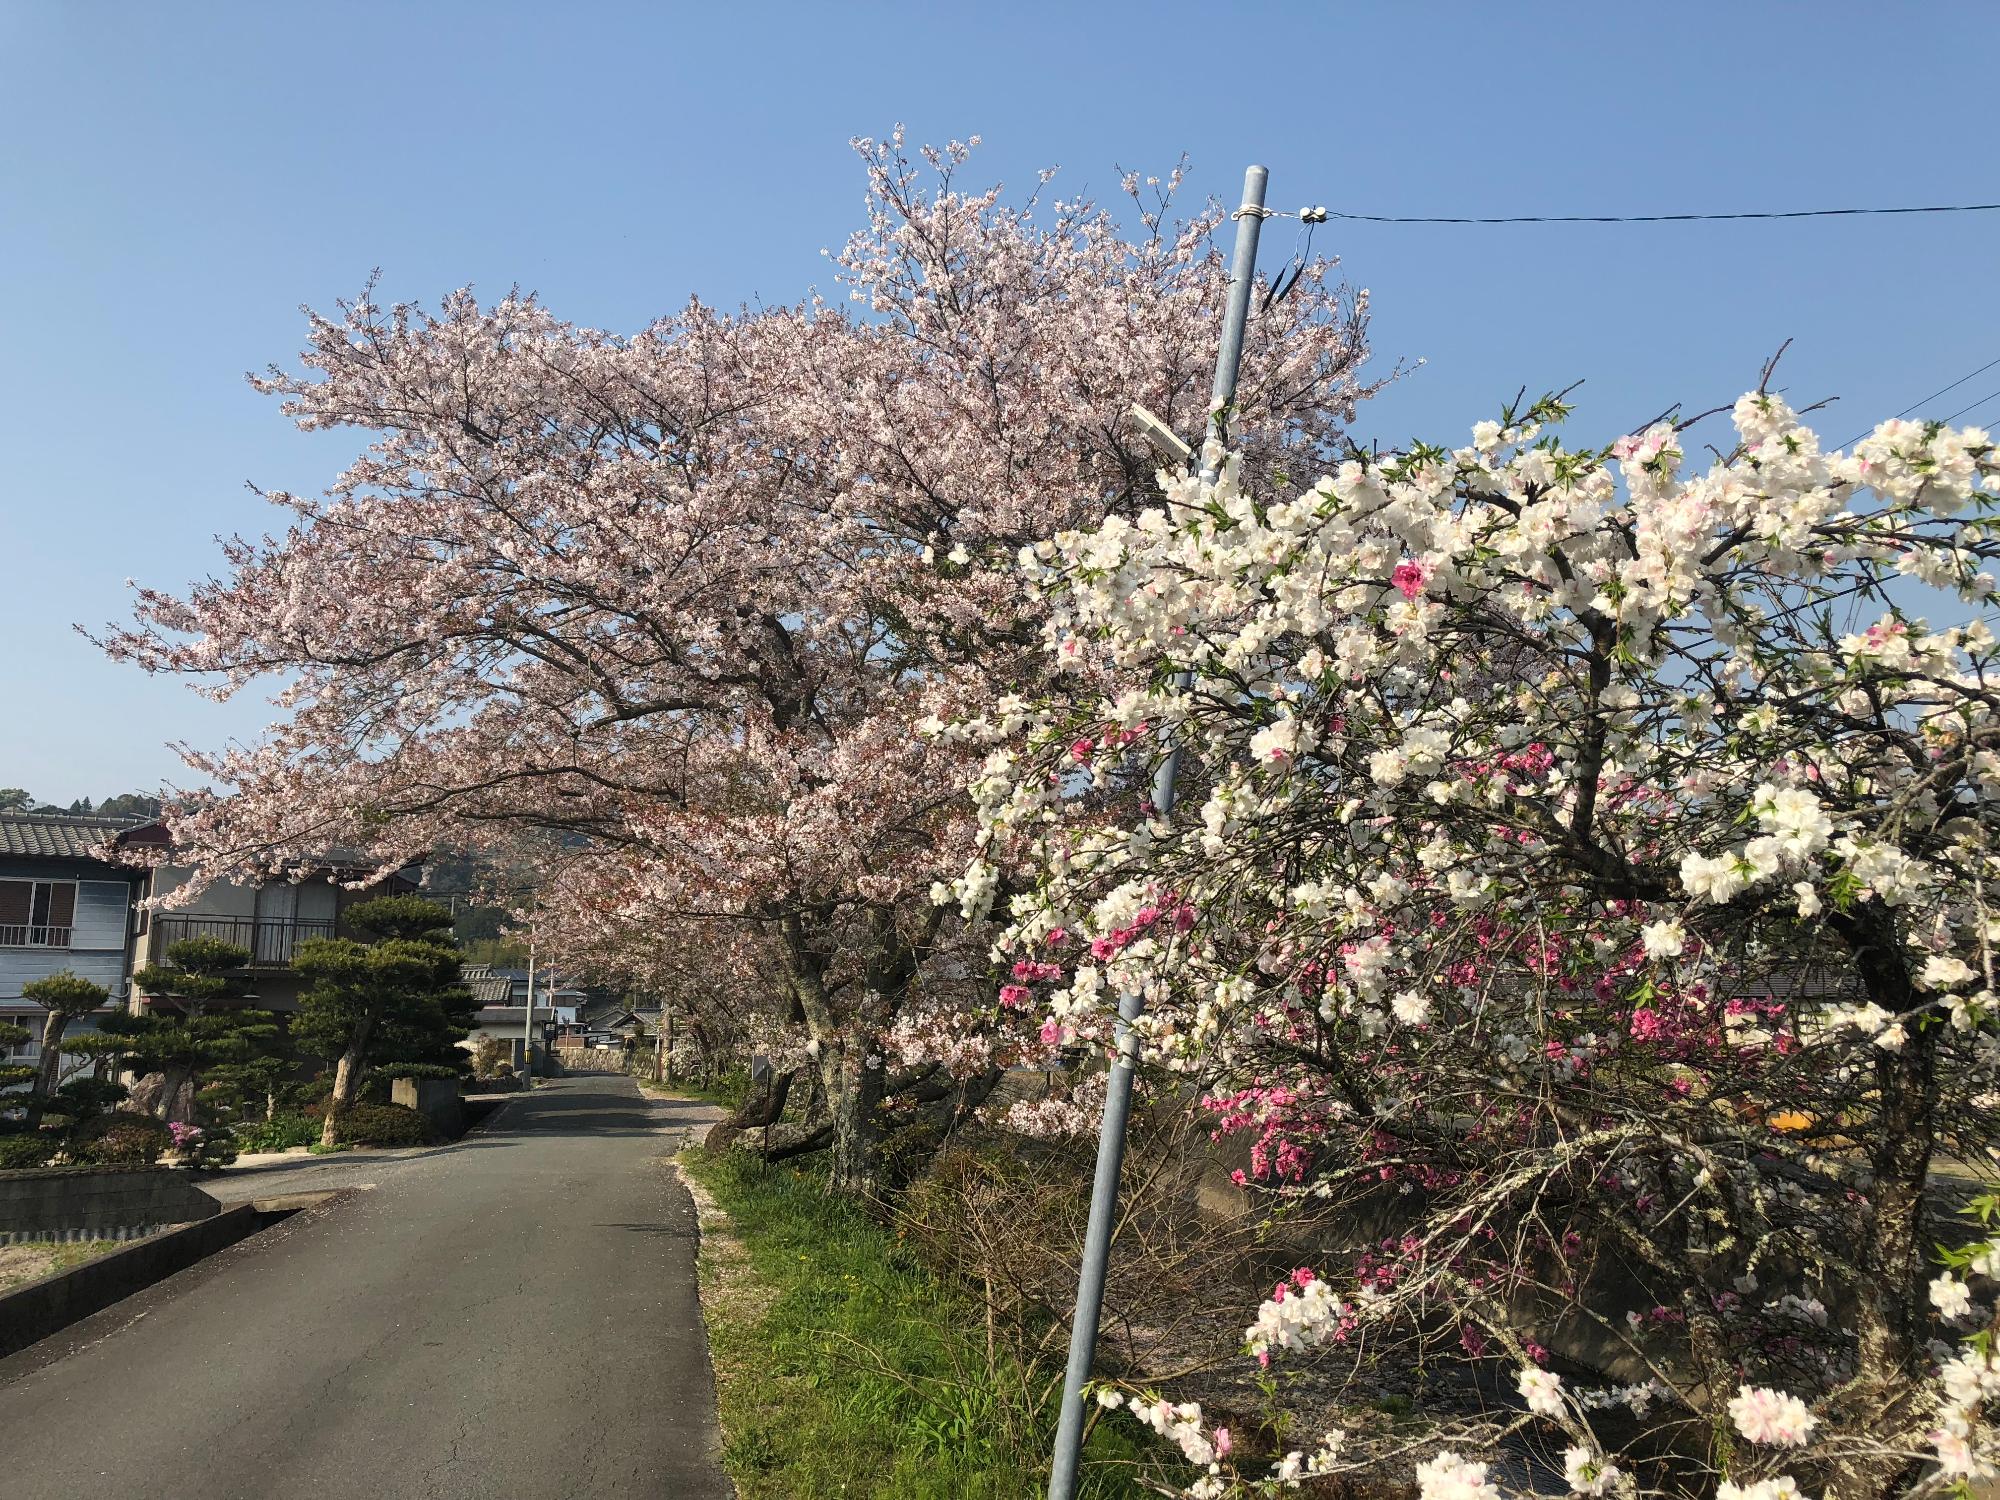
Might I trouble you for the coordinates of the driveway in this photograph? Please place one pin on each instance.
(515, 1315)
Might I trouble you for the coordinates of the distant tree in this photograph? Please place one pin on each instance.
(393, 998)
(63, 996)
(129, 805)
(15, 799)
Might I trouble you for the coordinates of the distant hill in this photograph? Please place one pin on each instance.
(125, 805)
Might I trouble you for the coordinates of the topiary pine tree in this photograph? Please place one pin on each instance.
(63, 996)
(396, 997)
(196, 1022)
(11, 1073)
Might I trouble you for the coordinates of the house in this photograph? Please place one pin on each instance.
(66, 902)
(269, 919)
(502, 995)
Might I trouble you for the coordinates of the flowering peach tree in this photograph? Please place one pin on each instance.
(1581, 867)
(680, 597)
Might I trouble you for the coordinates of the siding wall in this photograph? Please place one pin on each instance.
(97, 933)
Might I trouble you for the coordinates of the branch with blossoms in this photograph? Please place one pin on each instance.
(678, 595)
(1573, 876)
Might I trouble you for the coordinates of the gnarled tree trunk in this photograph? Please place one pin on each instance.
(45, 1081)
(346, 1081)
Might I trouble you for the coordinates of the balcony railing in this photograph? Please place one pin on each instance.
(33, 936)
(271, 940)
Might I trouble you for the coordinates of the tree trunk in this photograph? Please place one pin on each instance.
(1890, 1326)
(176, 1100)
(45, 1081)
(854, 1094)
(768, 1107)
(346, 1082)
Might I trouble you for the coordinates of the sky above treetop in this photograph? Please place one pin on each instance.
(179, 180)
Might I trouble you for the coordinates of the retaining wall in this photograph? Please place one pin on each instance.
(97, 1203)
(42, 1307)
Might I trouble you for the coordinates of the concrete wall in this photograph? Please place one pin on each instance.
(436, 1099)
(53, 1203)
(43, 1307)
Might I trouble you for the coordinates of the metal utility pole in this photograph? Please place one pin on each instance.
(1118, 1087)
(528, 1023)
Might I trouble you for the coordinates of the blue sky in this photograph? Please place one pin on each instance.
(178, 179)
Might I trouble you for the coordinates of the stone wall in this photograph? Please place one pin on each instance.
(97, 1203)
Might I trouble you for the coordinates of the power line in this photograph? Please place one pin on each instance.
(1964, 409)
(1926, 401)
(1794, 213)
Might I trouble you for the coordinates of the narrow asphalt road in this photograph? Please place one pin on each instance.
(515, 1316)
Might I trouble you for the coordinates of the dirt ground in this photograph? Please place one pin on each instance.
(30, 1260)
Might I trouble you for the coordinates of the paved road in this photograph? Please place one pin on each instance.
(512, 1317)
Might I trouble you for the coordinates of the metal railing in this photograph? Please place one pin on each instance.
(34, 935)
(271, 940)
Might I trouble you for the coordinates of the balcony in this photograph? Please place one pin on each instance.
(34, 936)
(271, 940)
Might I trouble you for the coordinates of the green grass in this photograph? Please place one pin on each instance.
(728, 1090)
(31, 1260)
(851, 1371)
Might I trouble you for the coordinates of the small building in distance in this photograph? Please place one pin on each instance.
(502, 996)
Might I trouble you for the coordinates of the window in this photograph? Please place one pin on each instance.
(36, 913)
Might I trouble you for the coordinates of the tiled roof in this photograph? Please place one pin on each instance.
(487, 987)
(60, 835)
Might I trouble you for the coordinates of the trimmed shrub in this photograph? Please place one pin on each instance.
(419, 1070)
(381, 1125)
(279, 1133)
(203, 1146)
(119, 1139)
(31, 1150)
(86, 1098)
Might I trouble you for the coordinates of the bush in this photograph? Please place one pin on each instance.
(279, 1133)
(381, 1125)
(118, 1140)
(25, 1151)
(489, 1055)
(86, 1098)
(203, 1146)
(420, 1070)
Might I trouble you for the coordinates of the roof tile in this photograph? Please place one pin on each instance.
(60, 835)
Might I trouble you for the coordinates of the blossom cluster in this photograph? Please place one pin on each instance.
(1558, 853)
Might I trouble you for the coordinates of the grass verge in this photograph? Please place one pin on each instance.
(728, 1090)
(843, 1368)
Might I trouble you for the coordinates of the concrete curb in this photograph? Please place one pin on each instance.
(31, 1313)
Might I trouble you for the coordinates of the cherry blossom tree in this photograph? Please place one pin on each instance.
(681, 596)
(1581, 868)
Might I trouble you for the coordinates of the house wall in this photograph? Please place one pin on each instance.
(219, 900)
(97, 933)
(97, 952)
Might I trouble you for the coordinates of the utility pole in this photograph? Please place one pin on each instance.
(528, 1021)
(1118, 1087)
